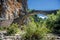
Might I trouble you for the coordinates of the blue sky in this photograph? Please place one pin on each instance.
(44, 4)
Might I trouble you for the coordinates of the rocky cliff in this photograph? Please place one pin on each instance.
(12, 9)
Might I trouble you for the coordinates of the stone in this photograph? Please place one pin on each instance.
(12, 9)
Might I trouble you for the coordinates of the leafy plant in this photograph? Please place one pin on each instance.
(53, 22)
(3, 28)
(13, 29)
(35, 31)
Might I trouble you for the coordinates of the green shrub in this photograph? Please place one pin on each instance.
(3, 28)
(53, 22)
(13, 29)
(34, 32)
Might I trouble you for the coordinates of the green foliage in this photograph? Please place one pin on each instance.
(13, 29)
(34, 31)
(3, 28)
(53, 22)
(37, 28)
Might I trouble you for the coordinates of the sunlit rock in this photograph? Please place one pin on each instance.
(12, 9)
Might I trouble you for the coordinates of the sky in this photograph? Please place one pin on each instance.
(44, 4)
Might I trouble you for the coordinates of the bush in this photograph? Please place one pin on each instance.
(34, 32)
(3, 28)
(53, 22)
(13, 29)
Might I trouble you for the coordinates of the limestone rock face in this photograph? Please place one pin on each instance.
(12, 9)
